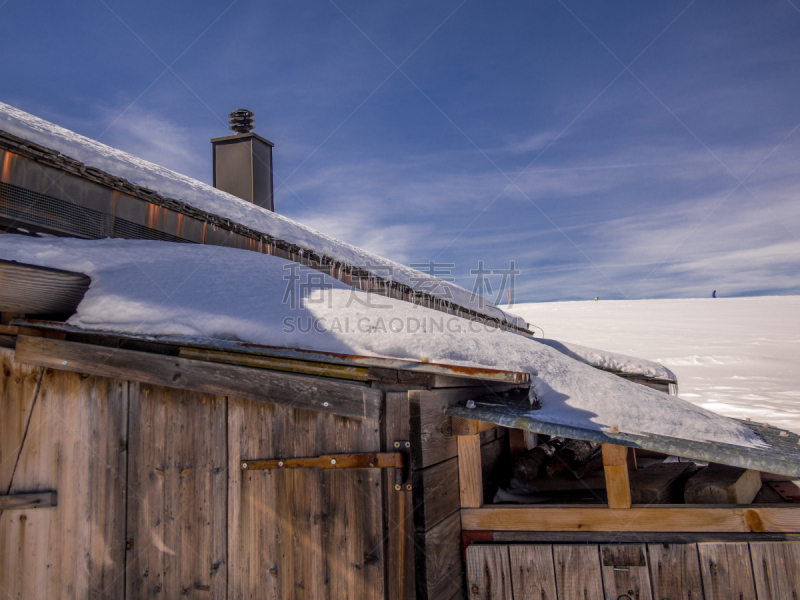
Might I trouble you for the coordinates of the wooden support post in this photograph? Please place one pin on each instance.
(615, 465)
(467, 427)
(632, 466)
(470, 477)
(516, 442)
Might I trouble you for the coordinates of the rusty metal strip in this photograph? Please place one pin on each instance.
(276, 363)
(363, 460)
(239, 349)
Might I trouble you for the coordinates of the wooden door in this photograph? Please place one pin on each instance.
(302, 533)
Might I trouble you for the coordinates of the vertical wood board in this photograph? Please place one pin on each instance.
(625, 572)
(532, 572)
(177, 477)
(776, 569)
(76, 445)
(675, 571)
(578, 574)
(488, 573)
(403, 509)
(439, 570)
(303, 533)
(470, 474)
(727, 571)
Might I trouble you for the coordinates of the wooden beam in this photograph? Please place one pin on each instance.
(470, 477)
(615, 466)
(516, 442)
(685, 518)
(37, 500)
(299, 391)
(302, 367)
(466, 427)
(9, 329)
(721, 484)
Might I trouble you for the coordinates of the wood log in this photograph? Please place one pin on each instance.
(721, 484)
(532, 464)
(661, 483)
(572, 455)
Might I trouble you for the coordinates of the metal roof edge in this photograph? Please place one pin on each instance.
(782, 457)
(240, 347)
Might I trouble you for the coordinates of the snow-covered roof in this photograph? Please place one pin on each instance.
(211, 200)
(184, 292)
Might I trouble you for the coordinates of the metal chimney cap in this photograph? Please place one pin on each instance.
(241, 120)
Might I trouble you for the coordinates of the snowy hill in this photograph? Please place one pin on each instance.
(736, 356)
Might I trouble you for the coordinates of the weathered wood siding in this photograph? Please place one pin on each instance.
(152, 501)
(714, 571)
(75, 442)
(302, 533)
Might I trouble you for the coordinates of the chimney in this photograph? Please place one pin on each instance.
(243, 161)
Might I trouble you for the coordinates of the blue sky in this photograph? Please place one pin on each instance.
(620, 150)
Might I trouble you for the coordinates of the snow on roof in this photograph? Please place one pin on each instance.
(612, 361)
(163, 289)
(209, 199)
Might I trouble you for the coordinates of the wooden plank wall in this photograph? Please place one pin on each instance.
(75, 442)
(152, 501)
(438, 562)
(302, 533)
(714, 571)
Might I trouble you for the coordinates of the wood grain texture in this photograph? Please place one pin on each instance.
(177, 523)
(578, 574)
(615, 467)
(344, 398)
(617, 486)
(532, 572)
(614, 455)
(727, 571)
(625, 572)
(18, 385)
(488, 573)
(439, 568)
(432, 440)
(436, 494)
(76, 444)
(253, 525)
(459, 426)
(776, 569)
(403, 509)
(470, 475)
(675, 571)
(22, 501)
(679, 518)
(302, 533)
(660, 483)
(721, 484)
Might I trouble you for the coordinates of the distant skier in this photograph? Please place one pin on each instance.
(714, 294)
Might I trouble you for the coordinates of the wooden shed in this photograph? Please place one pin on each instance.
(135, 468)
(163, 467)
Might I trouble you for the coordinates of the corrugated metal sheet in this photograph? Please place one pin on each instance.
(782, 457)
(34, 290)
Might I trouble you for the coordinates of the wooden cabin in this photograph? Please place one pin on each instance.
(134, 466)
